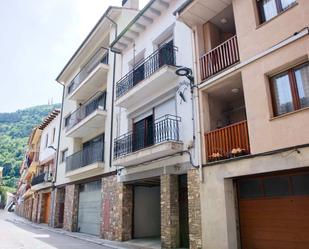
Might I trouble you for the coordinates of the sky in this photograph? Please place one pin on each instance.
(37, 39)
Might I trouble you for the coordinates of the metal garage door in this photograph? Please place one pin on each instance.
(274, 212)
(89, 210)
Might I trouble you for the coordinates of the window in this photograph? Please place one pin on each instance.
(46, 140)
(64, 155)
(290, 90)
(270, 8)
(250, 188)
(143, 134)
(67, 120)
(276, 186)
(54, 134)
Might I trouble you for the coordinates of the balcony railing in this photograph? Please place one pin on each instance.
(45, 177)
(96, 102)
(165, 55)
(219, 58)
(227, 142)
(163, 129)
(91, 154)
(100, 56)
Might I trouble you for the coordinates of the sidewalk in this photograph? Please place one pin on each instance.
(134, 244)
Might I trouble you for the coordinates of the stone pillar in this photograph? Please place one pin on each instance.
(35, 208)
(169, 212)
(117, 209)
(194, 203)
(71, 208)
(58, 204)
(41, 208)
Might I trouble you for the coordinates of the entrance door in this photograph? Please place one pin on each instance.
(274, 212)
(147, 220)
(183, 211)
(47, 207)
(89, 208)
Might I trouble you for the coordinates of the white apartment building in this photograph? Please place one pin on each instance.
(127, 136)
(154, 144)
(85, 137)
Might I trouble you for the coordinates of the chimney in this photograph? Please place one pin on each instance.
(131, 4)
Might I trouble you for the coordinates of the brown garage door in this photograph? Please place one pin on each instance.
(274, 212)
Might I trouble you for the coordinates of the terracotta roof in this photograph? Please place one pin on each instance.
(52, 115)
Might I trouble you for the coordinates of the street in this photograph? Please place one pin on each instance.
(23, 236)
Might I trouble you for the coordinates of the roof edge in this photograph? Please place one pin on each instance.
(139, 14)
(182, 7)
(86, 39)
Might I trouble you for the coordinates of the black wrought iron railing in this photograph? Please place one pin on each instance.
(96, 102)
(162, 129)
(91, 154)
(100, 56)
(44, 177)
(165, 55)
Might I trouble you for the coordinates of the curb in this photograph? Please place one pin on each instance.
(62, 232)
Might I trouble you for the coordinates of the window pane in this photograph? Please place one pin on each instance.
(302, 80)
(301, 184)
(250, 188)
(269, 9)
(282, 94)
(286, 3)
(276, 186)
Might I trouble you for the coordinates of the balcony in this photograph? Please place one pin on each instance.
(90, 78)
(89, 117)
(219, 58)
(136, 147)
(228, 142)
(41, 181)
(87, 162)
(155, 74)
(226, 126)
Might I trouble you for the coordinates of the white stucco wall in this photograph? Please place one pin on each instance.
(45, 152)
(75, 144)
(163, 27)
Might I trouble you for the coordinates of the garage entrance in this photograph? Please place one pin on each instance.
(89, 208)
(146, 209)
(274, 211)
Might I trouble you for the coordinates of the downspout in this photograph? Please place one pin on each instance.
(113, 96)
(57, 158)
(59, 133)
(196, 97)
(196, 101)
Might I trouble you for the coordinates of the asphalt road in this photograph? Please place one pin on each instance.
(22, 236)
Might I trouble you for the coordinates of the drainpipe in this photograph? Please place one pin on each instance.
(196, 101)
(57, 157)
(113, 95)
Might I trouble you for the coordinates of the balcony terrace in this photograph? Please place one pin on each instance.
(89, 79)
(86, 162)
(227, 133)
(161, 139)
(155, 74)
(90, 116)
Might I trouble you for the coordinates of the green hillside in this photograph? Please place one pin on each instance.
(15, 129)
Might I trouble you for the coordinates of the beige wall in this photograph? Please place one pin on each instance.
(266, 133)
(254, 38)
(218, 201)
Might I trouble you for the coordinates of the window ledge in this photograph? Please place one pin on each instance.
(279, 14)
(289, 113)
